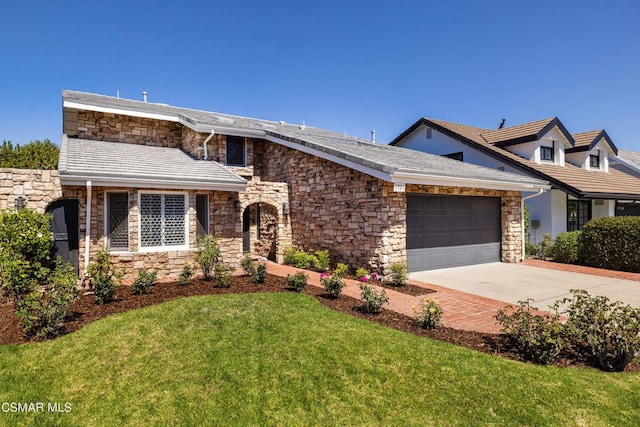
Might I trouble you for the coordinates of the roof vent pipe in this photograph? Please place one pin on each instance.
(144, 96)
(204, 145)
(373, 135)
(502, 123)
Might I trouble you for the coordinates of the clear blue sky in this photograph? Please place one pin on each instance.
(341, 65)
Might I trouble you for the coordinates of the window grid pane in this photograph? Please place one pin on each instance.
(235, 151)
(150, 220)
(173, 220)
(118, 221)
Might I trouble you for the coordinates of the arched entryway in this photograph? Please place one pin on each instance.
(64, 226)
(260, 230)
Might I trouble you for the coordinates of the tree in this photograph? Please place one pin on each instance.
(34, 155)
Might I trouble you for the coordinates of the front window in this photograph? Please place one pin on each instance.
(594, 161)
(578, 214)
(546, 153)
(163, 220)
(117, 221)
(202, 214)
(235, 151)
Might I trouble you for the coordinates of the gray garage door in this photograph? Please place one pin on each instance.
(450, 231)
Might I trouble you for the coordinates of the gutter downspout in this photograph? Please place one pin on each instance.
(87, 232)
(205, 151)
(531, 196)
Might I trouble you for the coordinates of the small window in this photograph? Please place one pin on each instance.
(594, 161)
(235, 151)
(428, 133)
(455, 156)
(117, 226)
(546, 153)
(202, 214)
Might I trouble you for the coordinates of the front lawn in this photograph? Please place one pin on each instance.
(284, 359)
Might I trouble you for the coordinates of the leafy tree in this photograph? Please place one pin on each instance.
(34, 155)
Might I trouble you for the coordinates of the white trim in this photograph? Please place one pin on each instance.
(107, 224)
(150, 182)
(87, 229)
(113, 110)
(145, 249)
(455, 181)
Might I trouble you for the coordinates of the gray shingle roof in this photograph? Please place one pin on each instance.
(381, 157)
(130, 163)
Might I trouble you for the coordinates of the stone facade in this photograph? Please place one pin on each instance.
(37, 187)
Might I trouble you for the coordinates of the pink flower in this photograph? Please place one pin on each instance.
(374, 276)
(364, 279)
(324, 275)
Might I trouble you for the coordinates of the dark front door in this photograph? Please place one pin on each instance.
(246, 229)
(64, 226)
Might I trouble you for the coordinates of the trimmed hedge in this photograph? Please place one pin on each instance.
(612, 243)
(565, 247)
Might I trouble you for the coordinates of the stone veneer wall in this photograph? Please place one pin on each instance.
(38, 188)
(359, 218)
(100, 126)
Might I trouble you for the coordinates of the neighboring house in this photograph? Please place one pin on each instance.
(628, 162)
(144, 179)
(577, 166)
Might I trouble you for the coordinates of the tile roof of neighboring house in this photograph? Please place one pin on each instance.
(521, 133)
(576, 181)
(112, 163)
(395, 164)
(587, 140)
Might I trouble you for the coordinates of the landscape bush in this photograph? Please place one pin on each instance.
(144, 282)
(362, 272)
(322, 261)
(332, 283)
(341, 270)
(373, 298)
(207, 254)
(248, 266)
(428, 313)
(105, 277)
(319, 261)
(185, 274)
(612, 243)
(298, 281)
(222, 276)
(260, 273)
(608, 329)
(398, 274)
(42, 313)
(539, 336)
(565, 248)
(25, 251)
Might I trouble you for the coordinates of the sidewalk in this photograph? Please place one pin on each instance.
(460, 310)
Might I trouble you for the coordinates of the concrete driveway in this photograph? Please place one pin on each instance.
(516, 282)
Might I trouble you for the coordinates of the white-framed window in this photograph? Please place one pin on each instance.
(202, 214)
(429, 133)
(117, 221)
(546, 154)
(163, 220)
(594, 161)
(236, 151)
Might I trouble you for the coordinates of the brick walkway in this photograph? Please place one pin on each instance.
(460, 310)
(624, 275)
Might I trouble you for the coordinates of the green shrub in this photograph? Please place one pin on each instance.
(332, 283)
(222, 276)
(290, 255)
(540, 337)
(185, 274)
(398, 274)
(298, 281)
(362, 272)
(322, 261)
(609, 329)
(301, 259)
(530, 249)
(105, 278)
(612, 243)
(248, 265)
(207, 254)
(341, 270)
(42, 313)
(144, 282)
(25, 246)
(428, 313)
(565, 247)
(373, 298)
(260, 273)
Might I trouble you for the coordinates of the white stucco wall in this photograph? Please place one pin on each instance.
(607, 208)
(550, 209)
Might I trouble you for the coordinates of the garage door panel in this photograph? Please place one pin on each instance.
(445, 231)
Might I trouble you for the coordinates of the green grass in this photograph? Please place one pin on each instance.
(283, 359)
